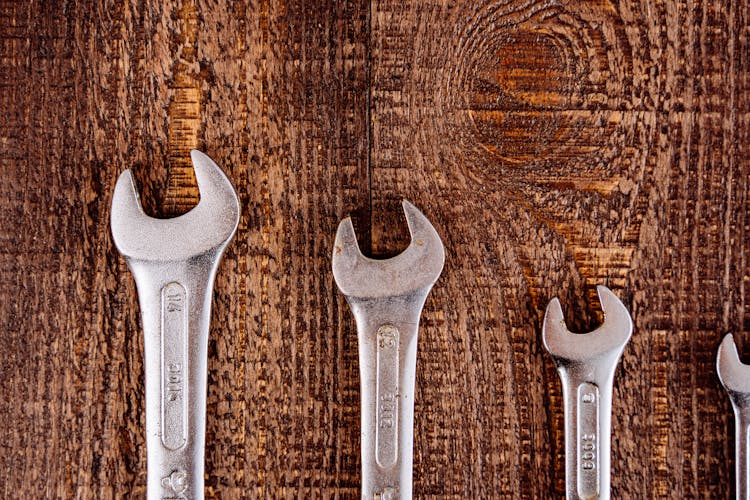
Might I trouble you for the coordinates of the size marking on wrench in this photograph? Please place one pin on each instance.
(588, 437)
(174, 263)
(174, 366)
(386, 438)
(386, 297)
(735, 377)
(586, 364)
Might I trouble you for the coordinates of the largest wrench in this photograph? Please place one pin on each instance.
(386, 297)
(174, 262)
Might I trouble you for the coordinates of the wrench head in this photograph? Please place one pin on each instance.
(733, 373)
(611, 336)
(416, 268)
(210, 225)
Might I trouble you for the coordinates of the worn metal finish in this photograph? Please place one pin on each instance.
(174, 262)
(735, 377)
(386, 297)
(586, 364)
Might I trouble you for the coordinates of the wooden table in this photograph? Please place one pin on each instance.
(555, 146)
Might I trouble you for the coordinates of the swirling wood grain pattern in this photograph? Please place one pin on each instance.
(558, 145)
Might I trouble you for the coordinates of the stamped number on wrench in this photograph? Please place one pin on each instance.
(588, 439)
(174, 366)
(387, 396)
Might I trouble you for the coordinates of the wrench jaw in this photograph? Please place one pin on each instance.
(174, 263)
(386, 298)
(586, 364)
(204, 230)
(607, 341)
(415, 270)
(735, 377)
(733, 373)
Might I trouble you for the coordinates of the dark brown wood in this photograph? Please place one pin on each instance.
(555, 146)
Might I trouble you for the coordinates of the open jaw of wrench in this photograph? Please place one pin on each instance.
(174, 262)
(386, 297)
(586, 364)
(735, 377)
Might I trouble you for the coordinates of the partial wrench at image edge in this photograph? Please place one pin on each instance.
(174, 263)
(735, 377)
(586, 364)
(386, 297)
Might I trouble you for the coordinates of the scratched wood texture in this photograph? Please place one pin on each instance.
(555, 145)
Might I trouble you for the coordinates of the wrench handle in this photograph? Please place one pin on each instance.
(588, 426)
(741, 443)
(175, 303)
(387, 364)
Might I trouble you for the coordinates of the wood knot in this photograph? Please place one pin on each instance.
(544, 88)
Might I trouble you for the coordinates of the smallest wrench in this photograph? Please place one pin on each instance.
(586, 364)
(735, 377)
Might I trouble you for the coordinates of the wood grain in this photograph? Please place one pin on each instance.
(554, 145)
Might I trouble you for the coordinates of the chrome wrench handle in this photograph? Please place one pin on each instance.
(387, 335)
(586, 364)
(587, 401)
(175, 303)
(741, 443)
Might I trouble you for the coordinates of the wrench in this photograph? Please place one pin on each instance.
(386, 297)
(586, 364)
(735, 377)
(174, 262)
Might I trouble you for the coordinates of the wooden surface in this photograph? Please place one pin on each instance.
(554, 145)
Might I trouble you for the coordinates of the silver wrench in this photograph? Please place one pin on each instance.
(174, 262)
(735, 377)
(586, 364)
(386, 297)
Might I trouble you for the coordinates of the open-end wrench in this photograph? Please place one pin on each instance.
(386, 297)
(735, 377)
(586, 364)
(174, 262)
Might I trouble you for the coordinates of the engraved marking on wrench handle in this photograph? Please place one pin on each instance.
(386, 415)
(588, 439)
(588, 410)
(174, 367)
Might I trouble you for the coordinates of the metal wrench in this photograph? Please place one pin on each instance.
(174, 262)
(586, 364)
(386, 297)
(735, 377)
